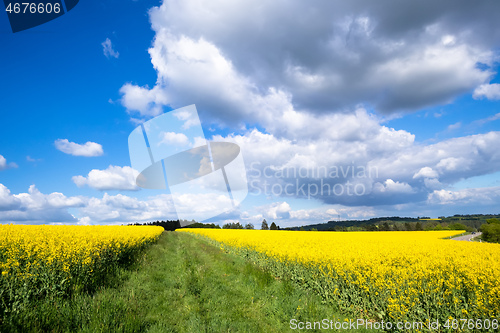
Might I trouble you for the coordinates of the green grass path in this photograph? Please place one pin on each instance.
(184, 284)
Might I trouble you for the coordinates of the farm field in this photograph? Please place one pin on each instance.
(41, 263)
(391, 276)
(181, 283)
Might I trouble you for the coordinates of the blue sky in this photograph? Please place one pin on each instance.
(323, 85)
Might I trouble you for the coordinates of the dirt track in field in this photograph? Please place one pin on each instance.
(467, 237)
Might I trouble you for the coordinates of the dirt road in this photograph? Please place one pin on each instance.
(467, 237)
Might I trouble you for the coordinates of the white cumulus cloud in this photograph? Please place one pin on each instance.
(276, 211)
(470, 196)
(88, 149)
(172, 138)
(112, 178)
(245, 69)
(426, 172)
(299, 100)
(488, 91)
(4, 165)
(390, 186)
(147, 102)
(36, 207)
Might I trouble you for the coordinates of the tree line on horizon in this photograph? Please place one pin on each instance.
(175, 224)
(489, 227)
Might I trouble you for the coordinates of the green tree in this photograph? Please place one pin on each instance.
(249, 226)
(409, 227)
(273, 226)
(418, 227)
(236, 225)
(264, 225)
(385, 226)
(439, 226)
(430, 225)
(459, 226)
(203, 225)
(491, 231)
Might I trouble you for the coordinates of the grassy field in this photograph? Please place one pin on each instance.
(179, 284)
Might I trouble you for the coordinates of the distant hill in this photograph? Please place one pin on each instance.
(399, 223)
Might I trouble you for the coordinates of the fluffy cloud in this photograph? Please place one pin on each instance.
(488, 91)
(147, 102)
(427, 172)
(107, 49)
(390, 186)
(452, 159)
(277, 211)
(172, 138)
(4, 165)
(285, 216)
(7, 201)
(365, 169)
(339, 54)
(471, 196)
(307, 87)
(36, 207)
(122, 208)
(307, 102)
(112, 178)
(88, 149)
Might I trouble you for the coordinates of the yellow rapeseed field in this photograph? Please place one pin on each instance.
(39, 261)
(385, 275)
